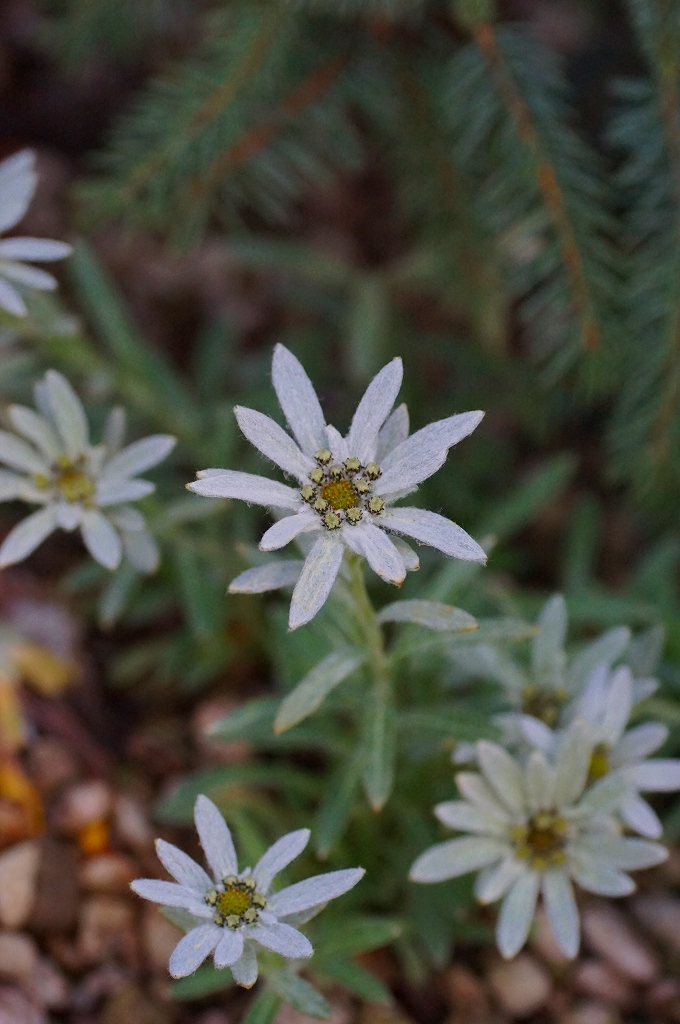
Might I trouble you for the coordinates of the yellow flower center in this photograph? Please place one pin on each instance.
(541, 841)
(544, 703)
(234, 900)
(599, 762)
(340, 494)
(74, 485)
(238, 903)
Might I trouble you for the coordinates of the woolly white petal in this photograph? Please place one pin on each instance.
(639, 816)
(262, 578)
(215, 837)
(298, 400)
(316, 579)
(408, 555)
(229, 949)
(474, 788)
(423, 453)
(68, 515)
(68, 414)
(279, 856)
(467, 818)
(310, 892)
(31, 277)
(493, 882)
(245, 969)
(269, 438)
(639, 743)
(456, 857)
(139, 456)
(539, 779)
(288, 528)
(433, 529)
(41, 249)
(27, 535)
(618, 704)
(517, 913)
(11, 485)
(101, 539)
(22, 456)
(35, 429)
(170, 895)
(550, 641)
(393, 432)
(603, 797)
(373, 410)
(114, 431)
(573, 762)
(282, 939)
(623, 853)
(537, 733)
(503, 774)
(560, 906)
(11, 300)
(593, 876)
(141, 549)
(337, 444)
(658, 775)
(191, 951)
(182, 868)
(607, 648)
(378, 549)
(17, 185)
(257, 490)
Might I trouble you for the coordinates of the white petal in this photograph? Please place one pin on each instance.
(658, 775)
(127, 518)
(494, 882)
(373, 410)
(433, 529)
(573, 762)
(467, 818)
(245, 969)
(22, 456)
(279, 856)
(423, 453)
(11, 485)
(517, 913)
(625, 854)
(114, 431)
(182, 868)
(539, 781)
(141, 549)
(607, 648)
(170, 895)
(503, 774)
(215, 837)
(30, 277)
(393, 431)
(68, 414)
(139, 456)
(643, 688)
(310, 892)
(267, 577)
(337, 444)
(603, 797)
(118, 490)
(560, 905)
(229, 949)
(298, 400)
(408, 555)
(282, 939)
(549, 643)
(191, 951)
(27, 535)
(288, 528)
(639, 743)
(537, 734)
(257, 490)
(456, 857)
(68, 515)
(618, 704)
(592, 701)
(17, 185)
(35, 429)
(639, 816)
(101, 540)
(316, 579)
(269, 438)
(41, 249)
(11, 300)
(603, 879)
(377, 548)
(474, 788)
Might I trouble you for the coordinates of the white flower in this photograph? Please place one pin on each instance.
(533, 829)
(17, 185)
(237, 912)
(56, 467)
(347, 486)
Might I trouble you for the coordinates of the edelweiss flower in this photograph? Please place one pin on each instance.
(346, 485)
(534, 828)
(73, 480)
(236, 912)
(17, 185)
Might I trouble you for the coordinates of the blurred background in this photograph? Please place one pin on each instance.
(490, 192)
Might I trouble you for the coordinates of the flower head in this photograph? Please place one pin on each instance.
(534, 828)
(17, 185)
(235, 912)
(346, 486)
(55, 466)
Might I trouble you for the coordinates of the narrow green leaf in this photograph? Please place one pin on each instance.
(299, 994)
(117, 594)
(530, 497)
(358, 935)
(202, 600)
(250, 717)
(379, 747)
(335, 810)
(203, 982)
(443, 618)
(491, 631)
(454, 724)
(315, 687)
(263, 1009)
(356, 979)
(368, 321)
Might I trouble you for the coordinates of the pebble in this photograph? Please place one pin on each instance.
(16, 1008)
(131, 1006)
(465, 995)
(660, 914)
(591, 1013)
(47, 986)
(18, 956)
(52, 765)
(83, 804)
(131, 823)
(18, 880)
(521, 986)
(597, 979)
(108, 873)
(105, 928)
(56, 904)
(608, 933)
(159, 938)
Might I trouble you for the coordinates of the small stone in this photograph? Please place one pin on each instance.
(607, 932)
(83, 804)
(660, 914)
(18, 956)
(108, 873)
(18, 880)
(465, 995)
(521, 986)
(105, 928)
(545, 944)
(131, 1004)
(374, 1014)
(131, 823)
(51, 764)
(15, 1008)
(159, 938)
(56, 904)
(47, 986)
(597, 979)
(591, 1013)
(98, 984)
(663, 998)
